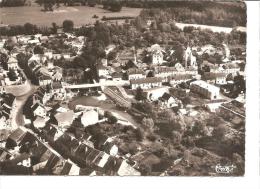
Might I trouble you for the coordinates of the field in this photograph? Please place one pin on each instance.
(80, 15)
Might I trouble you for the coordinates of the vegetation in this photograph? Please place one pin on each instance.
(12, 3)
(68, 25)
(195, 12)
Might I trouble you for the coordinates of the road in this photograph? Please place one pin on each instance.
(234, 112)
(17, 107)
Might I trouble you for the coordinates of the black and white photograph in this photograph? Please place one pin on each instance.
(123, 88)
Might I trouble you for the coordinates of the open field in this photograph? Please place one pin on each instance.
(80, 15)
(213, 28)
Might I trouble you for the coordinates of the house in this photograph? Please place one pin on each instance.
(23, 39)
(146, 83)
(12, 63)
(38, 110)
(56, 56)
(19, 137)
(191, 70)
(44, 80)
(48, 54)
(165, 72)
(40, 58)
(39, 122)
(104, 143)
(89, 118)
(57, 76)
(205, 89)
(157, 55)
(34, 41)
(56, 87)
(6, 105)
(117, 76)
(34, 65)
(168, 101)
(154, 93)
(134, 73)
(231, 68)
(102, 70)
(215, 78)
(189, 59)
(64, 118)
(126, 170)
(177, 79)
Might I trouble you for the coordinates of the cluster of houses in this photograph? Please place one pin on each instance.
(6, 103)
(60, 153)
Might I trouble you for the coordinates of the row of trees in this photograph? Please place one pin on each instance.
(12, 3)
(28, 29)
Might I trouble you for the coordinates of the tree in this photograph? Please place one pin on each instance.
(148, 123)
(150, 74)
(48, 5)
(38, 50)
(54, 28)
(139, 134)
(68, 25)
(29, 28)
(176, 137)
(111, 119)
(115, 6)
(12, 75)
(199, 128)
(139, 94)
(220, 131)
(4, 60)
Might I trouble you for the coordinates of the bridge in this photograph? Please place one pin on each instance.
(100, 84)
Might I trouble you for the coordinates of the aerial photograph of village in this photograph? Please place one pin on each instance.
(122, 88)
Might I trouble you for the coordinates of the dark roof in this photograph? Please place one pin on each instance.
(8, 99)
(213, 76)
(17, 135)
(56, 85)
(165, 69)
(180, 77)
(66, 169)
(117, 75)
(134, 71)
(146, 80)
(166, 96)
(36, 105)
(52, 161)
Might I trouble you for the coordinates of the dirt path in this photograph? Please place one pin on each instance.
(17, 107)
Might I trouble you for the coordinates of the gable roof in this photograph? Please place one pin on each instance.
(146, 80)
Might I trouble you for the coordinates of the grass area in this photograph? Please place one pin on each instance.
(80, 15)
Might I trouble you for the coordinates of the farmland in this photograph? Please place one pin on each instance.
(80, 15)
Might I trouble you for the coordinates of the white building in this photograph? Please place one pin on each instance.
(146, 83)
(39, 110)
(190, 60)
(12, 63)
(134, 73)
(157, 55)
(205, 89)
(155, 93)
(89, 118)
(168, 101)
